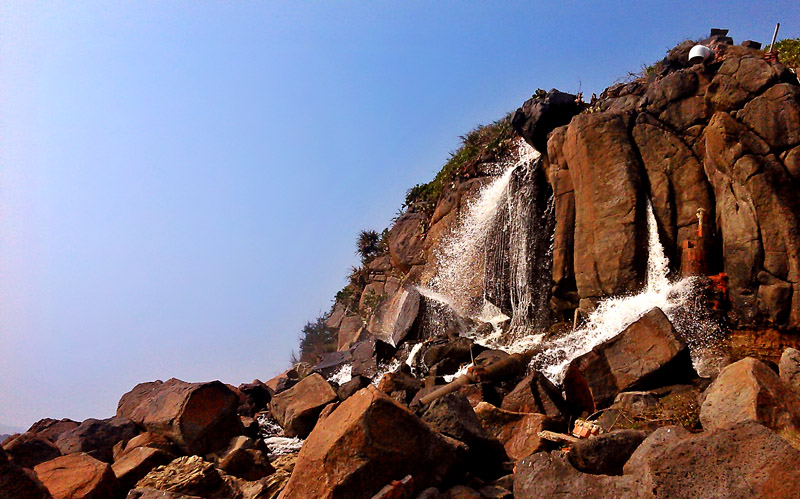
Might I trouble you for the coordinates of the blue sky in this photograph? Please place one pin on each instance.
(182, 183)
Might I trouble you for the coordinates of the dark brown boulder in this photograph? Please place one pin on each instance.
(97, 437)
(452, 415)
(51, 429)
(198, 417)
(647, 351)
(748, 390)
(29, 449)
(351, 332)
(518, 432)
(253, 397)
(150, 493)
(298, 408)
(368, 355)
(355, 384)
(366, 442)
(78, 476)
(607, 453)
(545, 475)
(243, 459)
(18, 483)
(536, 394)
(542, 114)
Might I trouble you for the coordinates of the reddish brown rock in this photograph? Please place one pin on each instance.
(18, 483)
(536, 394)
(137, 463)
(298, 408)
(198, 417)
(647, 350)
(351, 332)
(189, 475)
(601, 159)
(78, 476)
(150, 493)
(253, 397)
(518, 432)
(406, 241)
(368, 441)
(242, 459)
(607, 453)
(748, 390)
(29, 449)
(790, 368)
(97, 437)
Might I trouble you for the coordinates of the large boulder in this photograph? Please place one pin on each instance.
(541, 114)
(298, 408)
(647, 351)
(189, 475)
(146, 439)
(748, 390)
(97, 437)
(198, 417)
(19, 483)
(406, 239)
(545, 475)
(607, 453)
(517, 431)
(78, 476)
(452, 415)
(29, 449)
(395, 316)
(366, 442)
(746, 460)
(536, 394)
(151, 493)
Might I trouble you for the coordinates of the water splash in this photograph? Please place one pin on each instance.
(272, 435)
(343, 375)
(384, 369)
(613, 315)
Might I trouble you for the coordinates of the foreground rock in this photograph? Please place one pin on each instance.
(298, 408)
(78, 476)
(365, 443)
(18, 483)
(198, 417)
(749, 390)
(137, 463)
(645, 351)
(607, 453)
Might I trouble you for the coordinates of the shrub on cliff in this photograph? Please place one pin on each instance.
(484, 143)
(789, 50)
(316, 338)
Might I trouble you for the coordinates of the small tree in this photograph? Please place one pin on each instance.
(368, 245)
(316, 338)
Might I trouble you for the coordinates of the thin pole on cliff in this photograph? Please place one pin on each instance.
(774, 37)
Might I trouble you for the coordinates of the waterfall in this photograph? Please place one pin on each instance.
(613, 315)
(461, 258)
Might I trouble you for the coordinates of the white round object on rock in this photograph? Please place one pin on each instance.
(700, 53)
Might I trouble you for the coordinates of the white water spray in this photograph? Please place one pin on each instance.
(459, 275)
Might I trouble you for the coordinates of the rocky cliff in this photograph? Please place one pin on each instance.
(592, 299)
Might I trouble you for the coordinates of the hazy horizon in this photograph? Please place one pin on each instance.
(182, 183)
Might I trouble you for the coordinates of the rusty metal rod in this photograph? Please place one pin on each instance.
(774, 37)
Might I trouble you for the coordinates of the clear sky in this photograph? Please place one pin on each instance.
(182, 182)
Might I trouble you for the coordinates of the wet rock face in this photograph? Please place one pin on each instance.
(720, 138)
(366, 442)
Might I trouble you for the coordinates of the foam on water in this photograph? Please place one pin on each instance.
(343, 375)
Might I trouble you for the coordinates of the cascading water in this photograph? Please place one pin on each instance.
(462, 256)
(613, 315)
